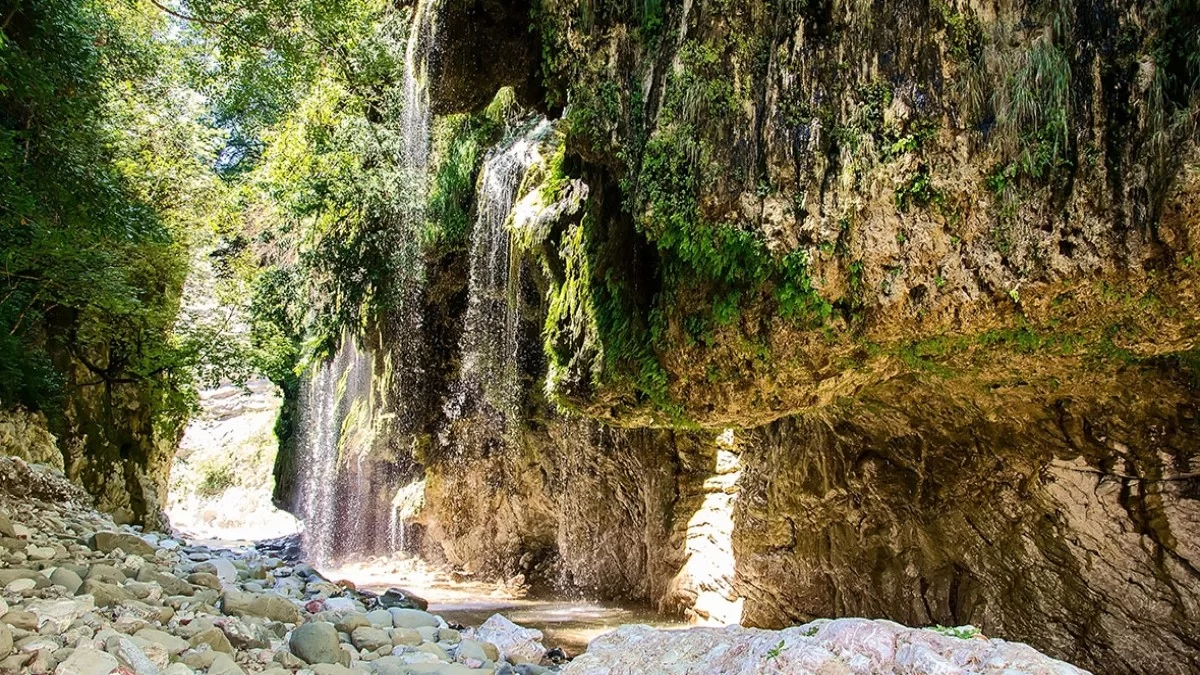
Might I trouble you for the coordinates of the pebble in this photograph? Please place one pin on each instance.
(84, 596)
(88, 661)
(380, 618)
(20, 586)
(413, 618)
(66, 578)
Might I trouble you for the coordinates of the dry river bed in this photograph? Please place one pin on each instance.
(80, 595)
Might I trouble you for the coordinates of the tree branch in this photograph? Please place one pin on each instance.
(188, 17)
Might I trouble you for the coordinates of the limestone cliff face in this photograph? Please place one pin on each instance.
(112, 440)
(879, 309)
(783, 194)
(25, 434)
(118, 443)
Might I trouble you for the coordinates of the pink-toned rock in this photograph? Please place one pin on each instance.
(516, 643)
(841, 647)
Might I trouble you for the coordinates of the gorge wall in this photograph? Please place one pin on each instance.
(809, 309)
(117, 439)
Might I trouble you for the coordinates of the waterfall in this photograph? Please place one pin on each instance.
(393, 523)
(343, 490)
(415, 122)
(490, 336)
(334, 406)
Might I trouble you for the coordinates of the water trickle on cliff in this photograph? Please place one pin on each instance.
(345, 485)
(490, 337)
(336, 398)
(415, 123)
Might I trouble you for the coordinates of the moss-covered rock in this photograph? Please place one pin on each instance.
(856, 309)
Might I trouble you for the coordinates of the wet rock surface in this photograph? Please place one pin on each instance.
(111, 599)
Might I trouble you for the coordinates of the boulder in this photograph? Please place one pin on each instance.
(43, 661)
(417, 662)
(346, 623)
(131, 656)
(316, 642)
(402, 599)
(6, 640)
(246, 634)
(13, 544)
(67, 579)
(434, 650)
(170, 583)
(223, 664)
(214, 638)
(106, 573)
(173, 644)
(40, 552)
(9, 575)
(448, 669)
(58, 615)
(406, 636)
(21, 619)
(205, 579)
(380, 618)
(341, 605)
(841, 646)
(106, 595)
(476, 653)
(19, 586)
(222, 568)
(516, 643)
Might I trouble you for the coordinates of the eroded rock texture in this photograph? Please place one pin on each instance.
(843, 646)
(112, 439)
(1061, 522)
(815, 321)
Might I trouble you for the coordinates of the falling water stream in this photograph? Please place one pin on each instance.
(351, 515)
(415, 122)
(339, 495)
(338, 391)
(490, 340)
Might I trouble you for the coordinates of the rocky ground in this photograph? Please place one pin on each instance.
(83, 596)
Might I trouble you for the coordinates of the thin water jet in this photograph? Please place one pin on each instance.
(491, 331)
